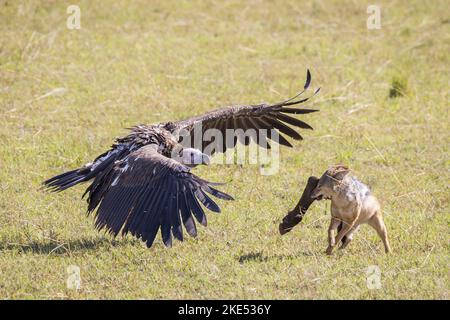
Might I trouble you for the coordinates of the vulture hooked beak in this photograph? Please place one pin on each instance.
(205, 159)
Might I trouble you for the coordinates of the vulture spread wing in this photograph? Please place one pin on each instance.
(146, 191)
(256, 117)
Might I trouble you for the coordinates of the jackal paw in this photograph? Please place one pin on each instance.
(329, 250)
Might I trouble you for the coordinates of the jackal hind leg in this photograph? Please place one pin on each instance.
(377, 223)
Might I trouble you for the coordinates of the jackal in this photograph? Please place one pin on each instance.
(352, 204)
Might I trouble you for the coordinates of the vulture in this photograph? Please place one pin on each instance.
(144, 182)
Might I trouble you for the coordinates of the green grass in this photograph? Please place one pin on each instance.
(147, 62)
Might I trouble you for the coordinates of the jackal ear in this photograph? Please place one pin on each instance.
(339, 171)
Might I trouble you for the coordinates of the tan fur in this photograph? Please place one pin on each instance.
(352, 204)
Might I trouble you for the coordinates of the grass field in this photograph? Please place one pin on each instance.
(65, 95)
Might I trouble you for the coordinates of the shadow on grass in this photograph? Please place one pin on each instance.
(62, 248)
(261, 257)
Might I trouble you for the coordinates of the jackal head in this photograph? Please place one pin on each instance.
(330, 181)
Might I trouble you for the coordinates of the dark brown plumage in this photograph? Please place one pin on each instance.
(144, 181)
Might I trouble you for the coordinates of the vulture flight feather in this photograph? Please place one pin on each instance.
(144, 182)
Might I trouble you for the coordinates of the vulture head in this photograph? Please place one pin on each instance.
(192, 157)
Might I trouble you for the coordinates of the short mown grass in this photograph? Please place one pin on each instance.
(65, 94)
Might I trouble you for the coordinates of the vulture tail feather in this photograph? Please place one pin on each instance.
(70, 178)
